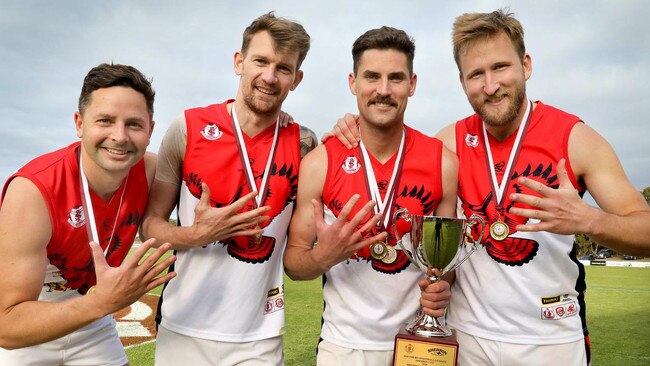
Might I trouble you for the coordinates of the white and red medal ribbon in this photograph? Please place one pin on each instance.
(499, 230)
(89, 213)
(243, 154)
(382, 251)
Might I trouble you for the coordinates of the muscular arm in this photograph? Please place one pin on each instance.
(25, 231)
(621, 222)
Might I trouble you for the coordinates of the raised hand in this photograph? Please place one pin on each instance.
(338, 241)
(345, 130)
(212, 224)
(559, 211)
(118, 287)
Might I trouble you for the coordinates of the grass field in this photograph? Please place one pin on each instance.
(618, 315)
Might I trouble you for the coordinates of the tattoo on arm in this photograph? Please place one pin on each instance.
(308, 141)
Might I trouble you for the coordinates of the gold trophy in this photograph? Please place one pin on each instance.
(435, 242)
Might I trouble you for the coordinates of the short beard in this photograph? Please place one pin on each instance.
(272, 110)
(519, 94)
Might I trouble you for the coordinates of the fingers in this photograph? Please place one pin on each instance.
(365, 210)
(150, 260)
(285, 119)
(347, 209)
(98, 257)
(205, 195)
(240, 203)
(134, 259)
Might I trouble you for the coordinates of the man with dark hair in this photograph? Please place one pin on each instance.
(226, 306)
(370, 287)
(58, 292)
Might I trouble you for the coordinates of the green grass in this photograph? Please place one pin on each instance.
(618, 316)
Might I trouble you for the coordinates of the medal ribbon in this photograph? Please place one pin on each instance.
(243, 155)
(499, 190)
(384, 206)
(89, 213)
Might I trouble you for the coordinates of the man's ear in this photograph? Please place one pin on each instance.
(352, 83)
(238, 60)
(78, 124)
(297, 80)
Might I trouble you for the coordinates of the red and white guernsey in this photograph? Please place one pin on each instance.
(528, 287)
(232, 290)
(366, 299)
(56, 175)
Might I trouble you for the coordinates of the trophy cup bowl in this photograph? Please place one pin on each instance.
(435, 243)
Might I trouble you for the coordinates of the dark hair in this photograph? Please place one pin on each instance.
(471, 27)
(106, 76)
(384, 38)
(288, 35)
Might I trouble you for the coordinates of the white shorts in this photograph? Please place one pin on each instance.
(474, 351)
(330, 354)
(174, 349)
(97, 344)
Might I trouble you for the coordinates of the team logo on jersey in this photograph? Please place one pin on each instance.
(510, 251)
(76, 217)
(211, 132)
(471, 140)
(351, 165)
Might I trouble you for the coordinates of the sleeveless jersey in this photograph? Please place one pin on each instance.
(56, 175)
(367, 300)
(232, 290)
(529, 287)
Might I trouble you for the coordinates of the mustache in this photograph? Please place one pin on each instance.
(384, 100)
(495, 97)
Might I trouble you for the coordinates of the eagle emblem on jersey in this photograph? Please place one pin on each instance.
(510, 251)
(281, 191)
(418, 199)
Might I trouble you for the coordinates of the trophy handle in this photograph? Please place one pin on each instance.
(473, 220)
(403, 213)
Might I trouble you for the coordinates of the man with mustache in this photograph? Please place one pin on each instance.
(370, 287)
(58, 292)
(524, 167)
(224, 166)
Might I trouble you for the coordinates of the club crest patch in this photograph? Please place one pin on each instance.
(76, 217)
(351, 165)
(211, 132)
(471, 140)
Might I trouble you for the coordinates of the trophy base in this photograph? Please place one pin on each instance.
(414, 350)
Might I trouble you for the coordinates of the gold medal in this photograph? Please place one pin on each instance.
(378, 250)
(258, 237)
(499, 230)
(391, 255)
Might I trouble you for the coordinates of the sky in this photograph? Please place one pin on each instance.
(590, 58)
